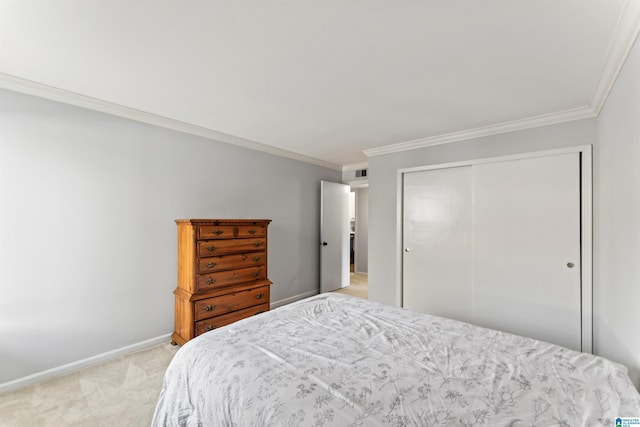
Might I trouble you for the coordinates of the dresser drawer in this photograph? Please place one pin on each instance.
(224, 304)
(216, 322)
(207, 248)
(230, 231)
(227, 262)
(229, 277)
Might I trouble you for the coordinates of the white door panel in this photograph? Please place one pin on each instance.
(526, 229)
(334, 235)
(437, 245)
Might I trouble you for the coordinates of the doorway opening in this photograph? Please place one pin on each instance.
(358, 238)
(344, 233)
(358, 286)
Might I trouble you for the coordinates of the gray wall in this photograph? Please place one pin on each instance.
(362, 230)
(615, 136)
(349, 177)
(617, 221)
(87, 233)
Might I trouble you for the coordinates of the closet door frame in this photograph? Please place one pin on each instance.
(586, 225)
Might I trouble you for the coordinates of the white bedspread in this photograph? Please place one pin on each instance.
(334, 360)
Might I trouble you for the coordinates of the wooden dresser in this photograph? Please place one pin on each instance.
(222, 274)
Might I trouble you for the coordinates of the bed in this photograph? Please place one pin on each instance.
(336, 360)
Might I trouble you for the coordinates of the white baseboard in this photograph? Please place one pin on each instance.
(80, 364)
(113, 354)
(294, 298)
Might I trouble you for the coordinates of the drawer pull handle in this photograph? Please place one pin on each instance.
(211, 248)
(260, 295)
(252, 231)
(255, 273)
(256, 259)
(209, 307)
(211, 280)
(257, 245)
(218, 232)
(211, 264)
(210, 328)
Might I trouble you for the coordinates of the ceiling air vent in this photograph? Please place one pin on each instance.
(361, 173)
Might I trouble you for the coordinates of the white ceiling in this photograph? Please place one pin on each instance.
(325, 79)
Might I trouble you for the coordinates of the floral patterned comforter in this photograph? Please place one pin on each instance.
(334, 360)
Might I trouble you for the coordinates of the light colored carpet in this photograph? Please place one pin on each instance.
(358, 286)
(122, 392)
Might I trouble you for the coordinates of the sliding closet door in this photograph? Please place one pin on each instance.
(437, 242)
(497, 244)
(526, 244)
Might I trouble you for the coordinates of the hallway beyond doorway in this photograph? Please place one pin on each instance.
(358, 286)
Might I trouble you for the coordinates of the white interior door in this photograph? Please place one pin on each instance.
(526, 243)
(437, 242)
(334, 235)
(497, 244)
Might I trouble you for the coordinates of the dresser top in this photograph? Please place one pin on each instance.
(226, 221)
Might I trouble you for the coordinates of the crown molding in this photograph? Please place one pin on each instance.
(355, 166)
(479, 132)
(29, 87)
(626, 33)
